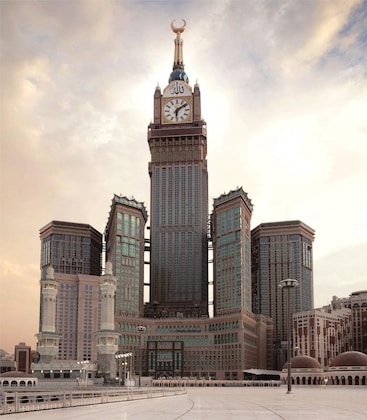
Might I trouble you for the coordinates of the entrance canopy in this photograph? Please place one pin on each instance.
(261, 374)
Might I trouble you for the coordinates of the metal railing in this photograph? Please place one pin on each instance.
(16, 401)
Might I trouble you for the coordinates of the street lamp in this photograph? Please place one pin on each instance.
(83, 370)
(123, 356)
(141, 329)
(289, 284)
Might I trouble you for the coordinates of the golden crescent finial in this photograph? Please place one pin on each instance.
(178, 30)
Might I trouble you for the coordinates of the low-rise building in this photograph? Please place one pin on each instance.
(357, 303)
(217, 348)
(322, 335)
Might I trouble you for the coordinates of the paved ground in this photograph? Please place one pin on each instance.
(316, 403)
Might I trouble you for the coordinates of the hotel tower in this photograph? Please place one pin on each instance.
(231, 235)
(179, 197)
(281, 250)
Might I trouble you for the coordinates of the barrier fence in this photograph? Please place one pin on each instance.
(34, 400)
(213, 382)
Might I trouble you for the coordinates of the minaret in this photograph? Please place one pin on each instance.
(107, 338)
(48, 339)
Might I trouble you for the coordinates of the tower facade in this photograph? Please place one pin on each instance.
(179, 197)
(357, 302)
(71, 248)
(322, 334)
(124, 236)
(231, 237)
(281, 250)
(77, 315)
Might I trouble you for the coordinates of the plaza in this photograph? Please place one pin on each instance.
(317, 403)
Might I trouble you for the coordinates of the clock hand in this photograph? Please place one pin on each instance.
(180, 107)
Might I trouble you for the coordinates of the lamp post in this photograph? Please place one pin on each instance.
(83, 364)
(289, 284)
(123, 356)
(141, 329)
(124, 364)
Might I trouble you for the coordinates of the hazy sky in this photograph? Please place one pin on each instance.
(284, 95)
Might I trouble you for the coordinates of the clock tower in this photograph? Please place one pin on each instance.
(179, 197)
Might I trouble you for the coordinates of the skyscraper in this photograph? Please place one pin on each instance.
(281, 250)
(231, 238)
(77, 315)
(124, 235)
(74, 251)
(179, 197)
(71, 248)
(70, 316)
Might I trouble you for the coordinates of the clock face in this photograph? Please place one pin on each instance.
(177, 110)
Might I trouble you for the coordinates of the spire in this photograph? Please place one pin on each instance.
(178, 72)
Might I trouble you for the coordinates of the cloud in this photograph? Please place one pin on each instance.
(320, 28)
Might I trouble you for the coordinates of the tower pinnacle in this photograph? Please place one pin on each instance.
(178, 72)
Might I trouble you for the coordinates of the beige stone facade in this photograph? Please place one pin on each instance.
(322, 335)
(357, 302)
(77, 316)
(220, 347)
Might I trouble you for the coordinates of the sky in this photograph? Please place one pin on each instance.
(284, 96)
